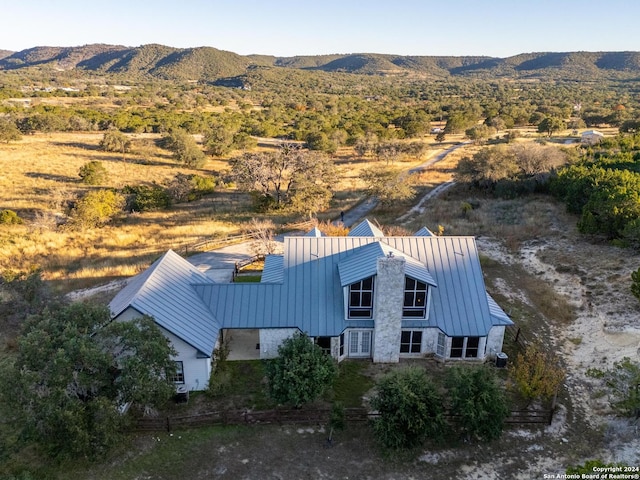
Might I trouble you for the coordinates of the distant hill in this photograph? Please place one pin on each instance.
(210, 64)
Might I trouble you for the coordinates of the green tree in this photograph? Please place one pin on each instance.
(536, 373)
(93, 173)
(635, 283)
(219, 140)
(551, 125)
(623, 380)
(115, 141)
(278, 178)
(388, 184)
(410, 409)
(184, 147)
(488, 166)
(75, 369)
(479, 133)
(97, 208)
(145, 198)
(301, 372)
(9, 131)
(477, 401)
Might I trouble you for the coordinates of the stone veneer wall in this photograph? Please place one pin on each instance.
(387, 309)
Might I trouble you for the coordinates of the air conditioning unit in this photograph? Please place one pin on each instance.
(182, 394)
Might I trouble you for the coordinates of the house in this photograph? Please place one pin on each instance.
(591, 137)
(359, 296)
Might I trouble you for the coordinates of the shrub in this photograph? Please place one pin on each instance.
(9, 217)
(115, 141)
(144, 198)
(97, 208)
(537, 374)
(301, 372)
(410, 409)
(477, 401)
(93, 173)
(187, 188)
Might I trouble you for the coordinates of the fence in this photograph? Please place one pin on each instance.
(297, 417)
(517, 336)
(212, 243)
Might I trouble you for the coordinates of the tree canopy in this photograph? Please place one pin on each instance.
(301, 372)
(388, 184)
(288, 177)
(477, 401)
(410, 409)
(74, 372)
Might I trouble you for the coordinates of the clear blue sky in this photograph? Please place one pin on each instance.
(498, 28)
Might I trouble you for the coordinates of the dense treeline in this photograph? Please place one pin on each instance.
(327, 110)
(604, 188)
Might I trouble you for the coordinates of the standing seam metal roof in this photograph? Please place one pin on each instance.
(311, 298)
(165, 292)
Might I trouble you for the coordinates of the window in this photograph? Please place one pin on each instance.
(472, 347)
(341, 344)
(441, 344)
(415, 298)
(457, 346)
(410, 341)
(464, 347)
(325, 344)
(179, 375)
(361, 299)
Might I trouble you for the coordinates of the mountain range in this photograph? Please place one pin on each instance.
(210, 64)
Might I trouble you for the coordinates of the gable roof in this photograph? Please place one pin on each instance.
(272, 271)
(165, 292)
(363, 263)
(310, 293)
(314, 232)
(365, 229)
(424, 232)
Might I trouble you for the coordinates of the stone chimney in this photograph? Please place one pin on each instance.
(387, 309)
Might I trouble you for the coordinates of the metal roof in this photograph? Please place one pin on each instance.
(423, 232)
(273, 269)
(165, 292)
(365, 229)
(363, 263)
(314, 232)
(497, 314)
(310, 296)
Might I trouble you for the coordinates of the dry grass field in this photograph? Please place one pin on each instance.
(39, 177)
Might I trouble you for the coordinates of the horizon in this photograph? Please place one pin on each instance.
(284, 28)
(318, 54)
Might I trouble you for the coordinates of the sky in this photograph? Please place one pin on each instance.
(498, 28)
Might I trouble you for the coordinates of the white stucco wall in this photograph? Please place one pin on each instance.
(196, 370)
(494, 341)
(271, 338)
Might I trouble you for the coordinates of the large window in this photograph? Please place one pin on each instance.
(179, 376)
(415, 298)
(464, 347)
(411, 341)
(361, 299)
